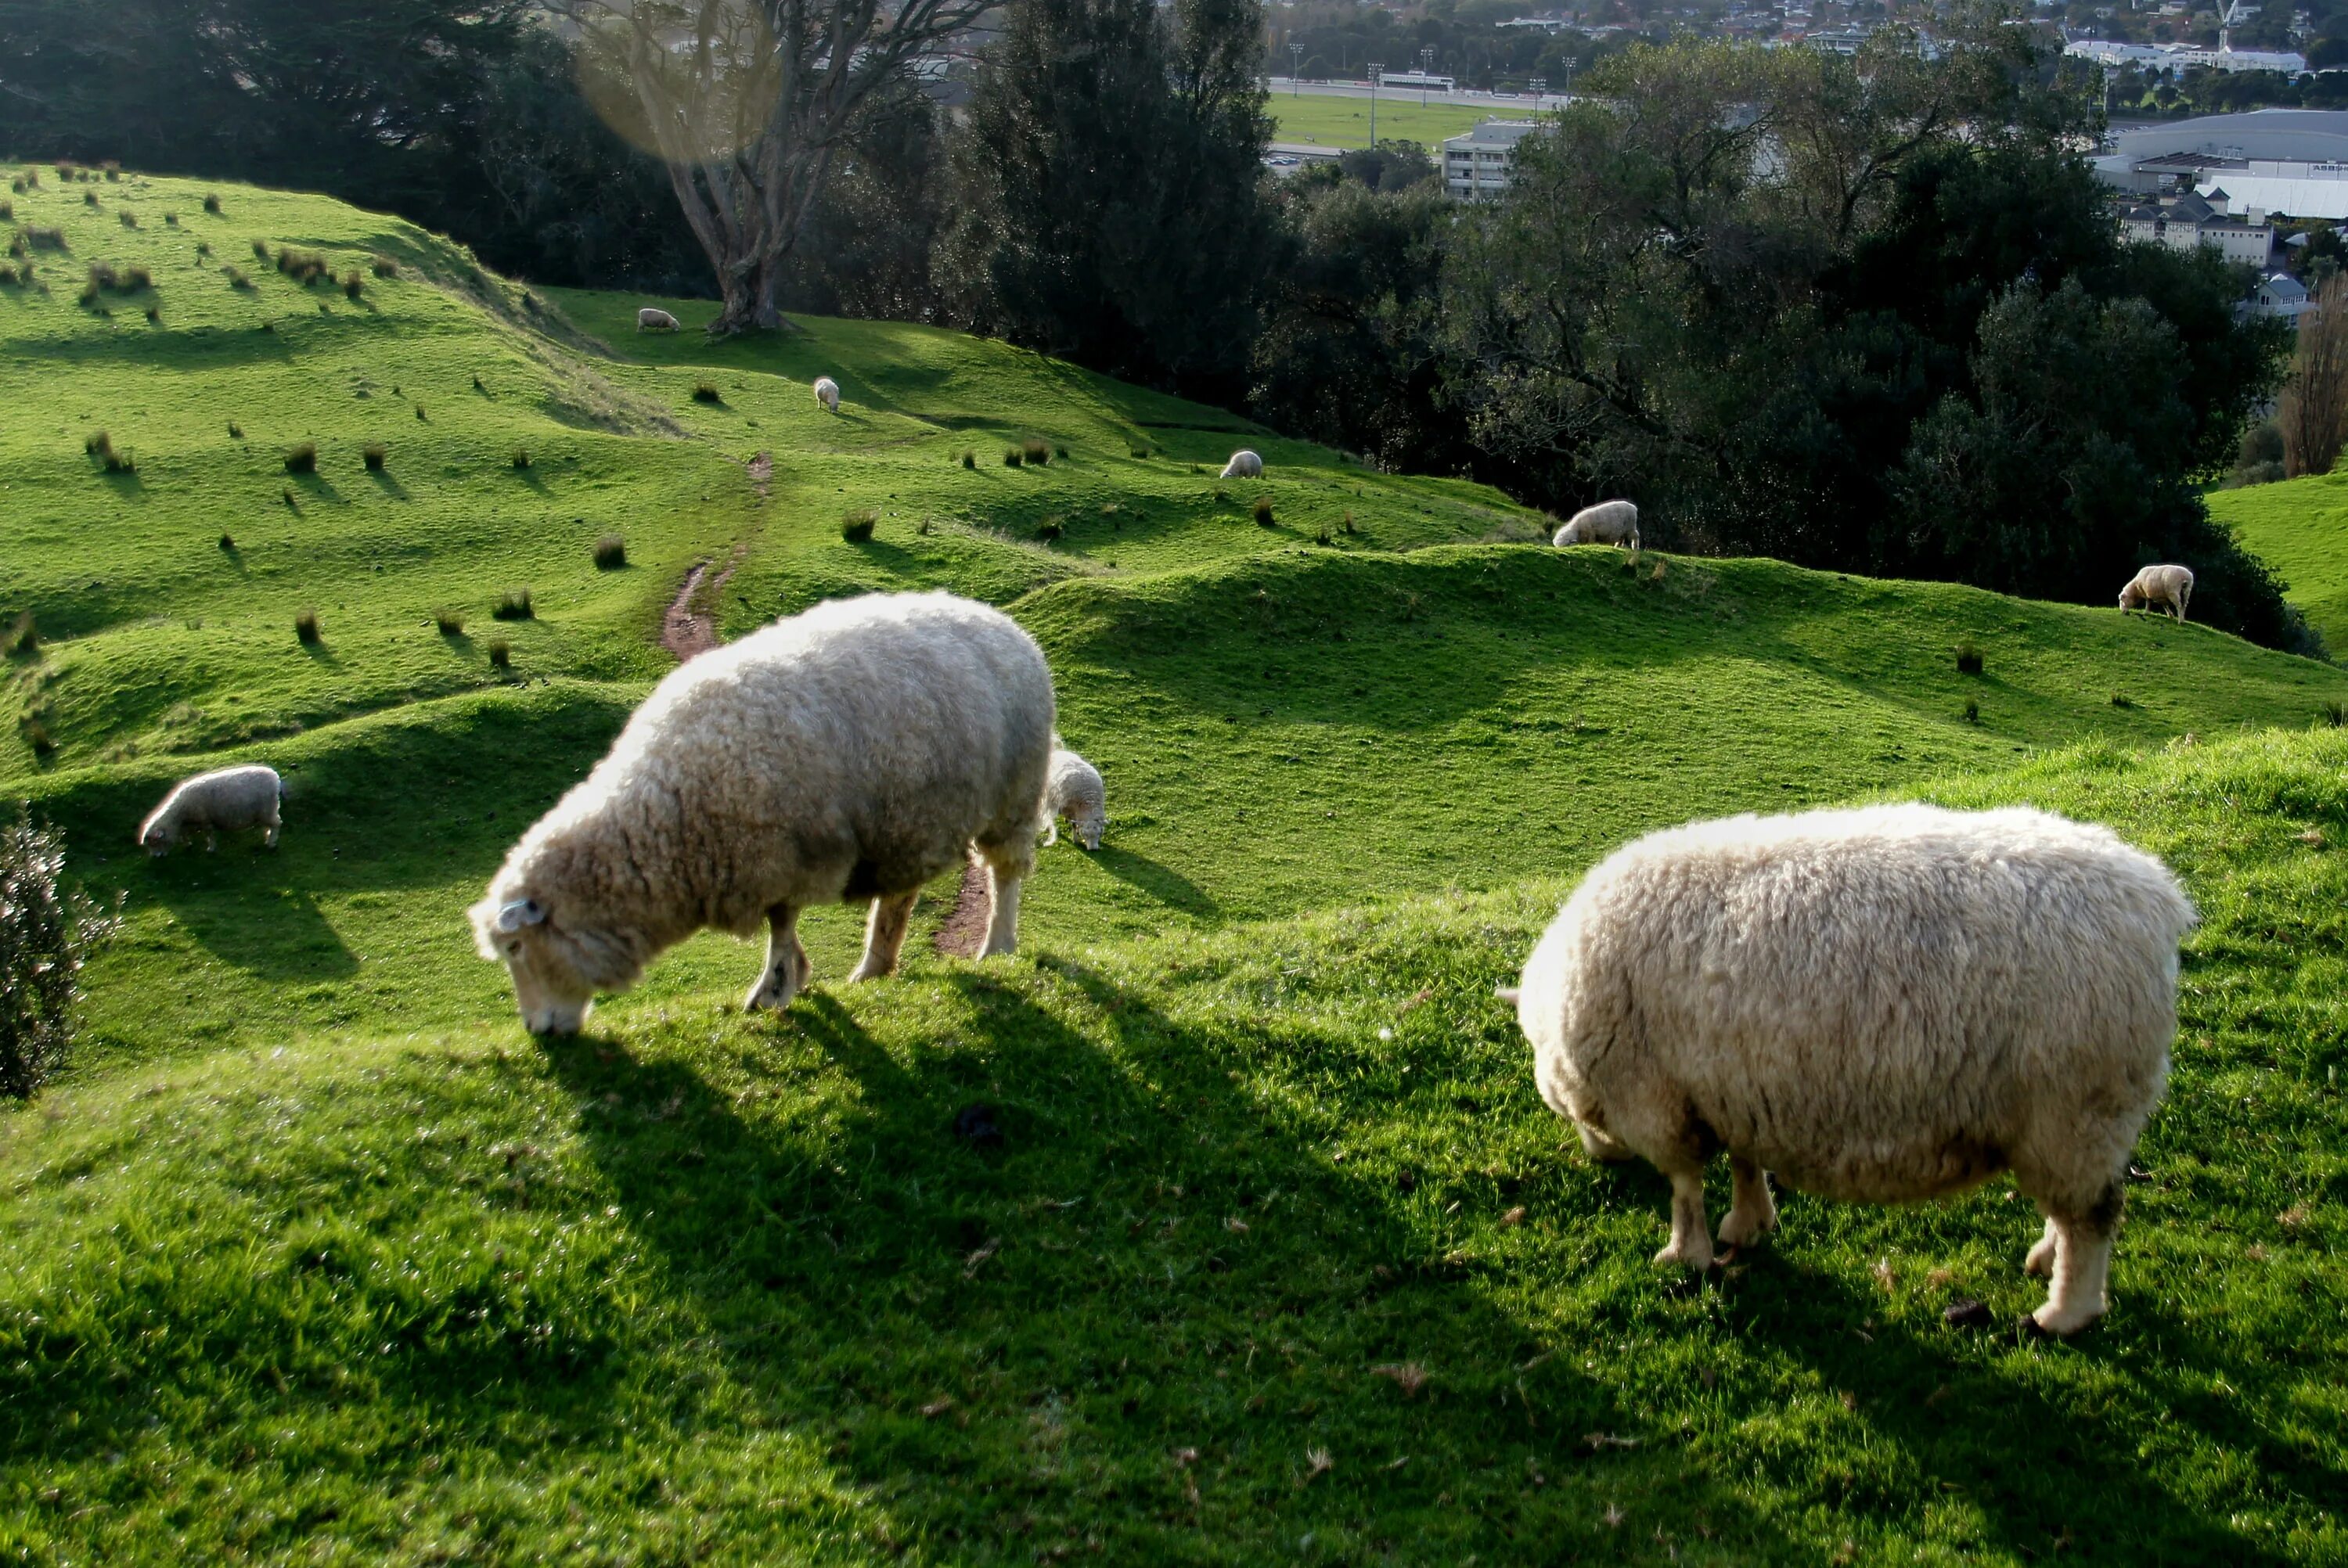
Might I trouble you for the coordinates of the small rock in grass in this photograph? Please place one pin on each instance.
(974, 1124)
(1967, 1313)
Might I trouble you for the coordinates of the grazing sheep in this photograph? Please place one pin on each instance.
(827, 392)
(1881, 1005)
(1073, 789)
(850, 753)
(1607, 523)
(1244, 464)
(221, 800)
(2165, 585)
(657, 321)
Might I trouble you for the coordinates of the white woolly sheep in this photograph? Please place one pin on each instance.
(1881, 1005)
(827, 392)
(1244, 464)
(649, 319)
(1073, 789)
(2164, 585)
(850, 753)
(222, 801)
(1607, 523)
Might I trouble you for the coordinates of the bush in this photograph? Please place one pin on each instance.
(373, 454)
(303, 459)
(501, 653)
(211, 205)
(353, 284)
(305, 627)
(1036, 451)
(703, 392)
(610, 553)
(1011, 457)
(521, 453)
(514, 605)
(1968, 658)
(1263, 511)
(46, 935)
(451, 622)
(969, 458)
(385, 267)
(856, 528)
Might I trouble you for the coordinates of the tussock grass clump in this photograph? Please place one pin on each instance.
(236, 278)
(385, 267)
(9, 276)
(1262, 511)
(1059, 451)
(514, 605)
(305, 267)
(89, 199)
(113, 169)
(211, 205)
(1011, 458)
(1968, 658)
(305, 627)
(100, 445)
(16, 244)
(23, 639)
(450, 620)
(37, 737)
(856, 527)
(969, 458)
(2335, 714)
(353, 284)
(1973, 712)
(1036, 451)
(1348, 525)
(610, 553)
(130, 219)
(2122, 699)
(228, 543)
(7, 212)
(419, 415)
(102, 275)
(520, 458)
(204, 248)
(44, 239)
(373, 454)
(1049, 529)
(155, 314)
(501, 653)
(170, 220)
(1222, 497)
(703, 392)
(260, 249)
(1137, 453)
(235, 431)
(303, 459)
(47, 934)
(285, 494)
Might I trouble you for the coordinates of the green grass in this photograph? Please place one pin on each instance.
(1345, 122)
(2298, 527)
(314, 1257)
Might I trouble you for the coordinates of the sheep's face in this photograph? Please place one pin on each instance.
(551, 993)
(2131, 598)
(1090, 829)
(159, 838)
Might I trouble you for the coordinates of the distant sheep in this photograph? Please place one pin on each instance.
(223, 801)
(1244, 464)
(1880, 1005)
(2170, 586)
(827, 392)
(850, 753)
(1607, 523)
(1073, 789)
(650, 320)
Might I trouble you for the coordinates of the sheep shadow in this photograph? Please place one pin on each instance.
(1160, 882)
(225, 905)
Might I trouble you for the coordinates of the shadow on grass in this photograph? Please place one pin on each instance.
(1162, 882)
(388, 485)
(277, 935)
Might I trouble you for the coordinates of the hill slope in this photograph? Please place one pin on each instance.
(2298, 527)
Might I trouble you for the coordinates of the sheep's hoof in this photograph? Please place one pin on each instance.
(1695, 1260)
(2044, 1324)
(2041, 1260)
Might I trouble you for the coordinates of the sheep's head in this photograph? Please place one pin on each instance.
(2131, 598)
(523, 933)
(159, 835)
(1090, 830)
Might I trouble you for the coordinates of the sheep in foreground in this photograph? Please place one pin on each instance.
(652, 320)
(1881, 1005)
(827, 392)
(1073, 789)
(1607, 523)
(1244, 464)
(850, 753)
(2159, 585)
(222, 801)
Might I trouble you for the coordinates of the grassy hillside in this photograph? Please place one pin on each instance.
(1281, 1257)
(314, 1256)
(2300, 526)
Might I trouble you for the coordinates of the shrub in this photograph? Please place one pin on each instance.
(450, 621)
(1036, 451)
(1968, 658)
(303, 459)
(703, 392)
(305, 627)
(385, 267)
(371, 455)
(129, 220)
(521, 458)
(46, 935)
(610, 553)
(23, 637)
(856, 528)
(514, 605)
(501, 653)
(236, 278)
(228, 543)
(969, 458)
(260, 249)
(1011, 457)
(211, 205)
(1263, 510)
(353, 284)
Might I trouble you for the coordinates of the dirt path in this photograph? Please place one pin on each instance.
(684, 630)
(961, 932)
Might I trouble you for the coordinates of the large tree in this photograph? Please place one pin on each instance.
(749, 103)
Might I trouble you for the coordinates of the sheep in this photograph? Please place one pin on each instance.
(1881, 1005)
(1607, 523)
(849, 753)
(221, 800)
(1244, 464)
(1073, 789)
(827, 393)
(649, 319)
(2165, 585)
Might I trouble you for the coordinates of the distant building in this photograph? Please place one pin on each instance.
(2164, 56)
(2183, 222)
(2279, 294)
(2293, 161)
(1478, 165)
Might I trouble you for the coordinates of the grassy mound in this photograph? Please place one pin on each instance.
(1279, 1254)
(2298, 527)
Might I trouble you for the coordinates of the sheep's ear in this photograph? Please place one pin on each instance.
(520, 912)
(1508, 994)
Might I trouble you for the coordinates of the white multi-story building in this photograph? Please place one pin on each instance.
(1478, 165)
(2165, 57)
(2185, 221)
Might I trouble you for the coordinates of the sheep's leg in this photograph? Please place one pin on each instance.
(884, 935)
(1691, 1244)
(211, 840)
(269, 839)
(787, 962)
(2041, 1260)
(1001, 912)
(2083, 1257)
(1751, 1212)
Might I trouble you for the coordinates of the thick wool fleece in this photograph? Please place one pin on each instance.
(1244, 464)
(1073, 789)
(221, 800)
(2169, 585)
(1607, 523)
